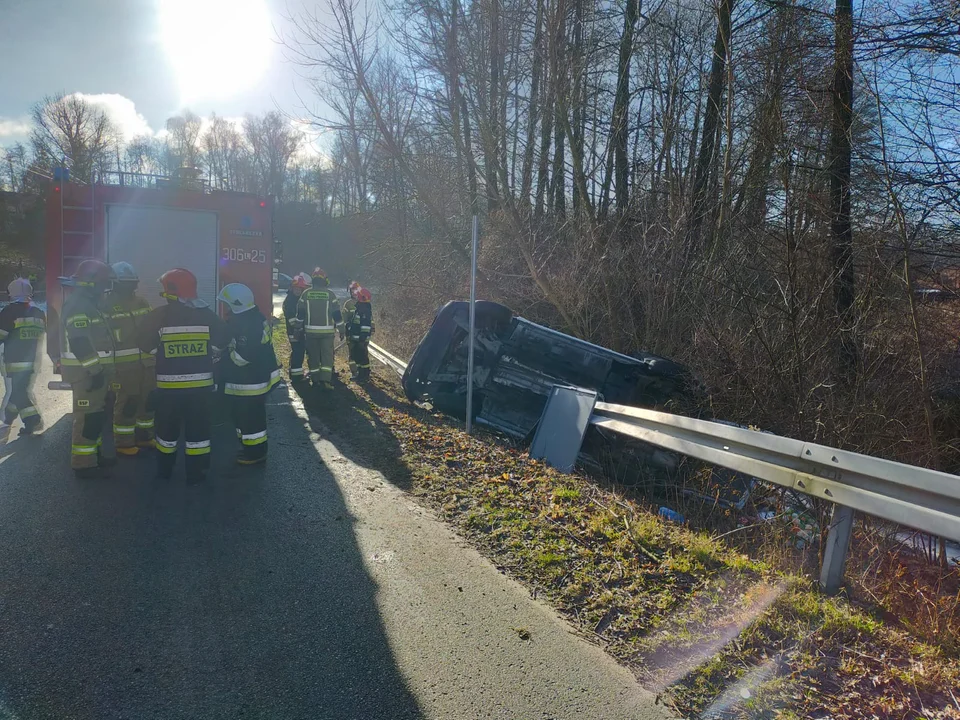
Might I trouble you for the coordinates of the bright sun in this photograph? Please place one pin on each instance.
(216, 47)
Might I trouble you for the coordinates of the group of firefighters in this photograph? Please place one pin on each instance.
(161, 366)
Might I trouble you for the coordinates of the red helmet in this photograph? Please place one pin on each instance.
(179, 284)
(363, 295)
(318, 273)
(90, 273)
(300, 281)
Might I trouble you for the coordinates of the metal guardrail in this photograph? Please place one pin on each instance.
(391, 361)
(916, 497)
(904, 494)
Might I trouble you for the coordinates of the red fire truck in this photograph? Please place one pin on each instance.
(222, 237)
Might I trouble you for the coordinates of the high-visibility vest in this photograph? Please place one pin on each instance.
(319, 311)
(90, 344)
(124, 314)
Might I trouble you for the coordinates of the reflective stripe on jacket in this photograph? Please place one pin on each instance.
(22, 326)
(251, 367)
(124, 313)
(320, 311)
(90, 344)
(184, 338)
(360, 325)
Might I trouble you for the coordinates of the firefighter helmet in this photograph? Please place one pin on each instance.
(90, 274)
(237, 296)
(363, 295)
(179, 284)
(300, 281)
(352, 288)
(319, 274)
(125, 272)
(20, 290)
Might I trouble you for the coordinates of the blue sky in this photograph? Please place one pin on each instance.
(144, 60)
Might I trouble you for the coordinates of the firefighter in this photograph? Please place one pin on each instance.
(319, 311)
(87, 364)
(22, 325)
(184, 333)
(298, 284)
(249, 371)
(359, 328)
(349, 308)
(134, 371)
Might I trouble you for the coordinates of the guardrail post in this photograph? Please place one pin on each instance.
(835, 552)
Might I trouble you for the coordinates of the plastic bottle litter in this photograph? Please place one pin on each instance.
(672, 515)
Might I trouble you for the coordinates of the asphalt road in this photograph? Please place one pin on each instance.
(311, 588)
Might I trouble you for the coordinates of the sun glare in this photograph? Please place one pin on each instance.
(216, 47)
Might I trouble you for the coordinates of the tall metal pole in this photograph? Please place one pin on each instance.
(473, 319)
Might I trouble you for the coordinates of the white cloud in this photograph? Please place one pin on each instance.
(14, 128)
(122, 112)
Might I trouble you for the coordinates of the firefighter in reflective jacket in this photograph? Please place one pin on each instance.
(349, 308)
(298, 284)
(87, 364)
(249, 371)
(22, 325)
(319, 311)
(134, 371)
(184, 333)
(358, 319)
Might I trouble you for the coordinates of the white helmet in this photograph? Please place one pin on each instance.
(237, 296)
(125, 272)
(20, 290)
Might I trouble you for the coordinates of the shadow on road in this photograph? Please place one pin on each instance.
(244, 597)
(361, 436)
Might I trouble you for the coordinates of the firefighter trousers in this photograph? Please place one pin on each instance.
(89, 415)
(21, 403)
(250, 418)
(359, 357)
(187, 411)
(132, 423)
(320, 357)
(297, 350)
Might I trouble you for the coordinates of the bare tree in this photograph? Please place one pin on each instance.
(273, 142)
(66, 128)
(184, 139)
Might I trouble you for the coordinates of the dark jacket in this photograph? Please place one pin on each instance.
(360, 323)
(184, 338)
(22, 326)
(250, 368)
(294, 327)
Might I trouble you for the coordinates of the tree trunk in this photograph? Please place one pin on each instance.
(558, 178)
(493, 108)
(841, 230)
(711, 121)
(621, 104)
(526, 183)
